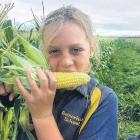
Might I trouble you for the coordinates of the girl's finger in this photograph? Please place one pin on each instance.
(12, 96)
(24, 92)
(2, 90)
(33, 86)
(43, 79)
(52, 81)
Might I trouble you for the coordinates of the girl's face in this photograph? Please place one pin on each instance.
(69, 51)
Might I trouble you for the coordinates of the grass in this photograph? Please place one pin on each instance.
(128, 128)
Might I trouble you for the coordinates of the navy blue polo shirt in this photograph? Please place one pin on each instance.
(70, 109)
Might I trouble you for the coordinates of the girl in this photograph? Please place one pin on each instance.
(58, 114)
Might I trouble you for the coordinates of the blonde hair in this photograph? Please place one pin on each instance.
(56, 19)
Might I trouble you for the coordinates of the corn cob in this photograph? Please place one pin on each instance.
(70, 80)
(24, 118)
(33, 53)
(7, 120)
(64, 80)
(17, 60)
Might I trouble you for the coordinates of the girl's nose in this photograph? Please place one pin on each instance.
(66, 61)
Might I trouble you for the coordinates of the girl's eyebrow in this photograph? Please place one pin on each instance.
(72, 45)
(75, 45)
(53, 47)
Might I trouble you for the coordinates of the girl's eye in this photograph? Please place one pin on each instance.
(76, 50)
(54, 52)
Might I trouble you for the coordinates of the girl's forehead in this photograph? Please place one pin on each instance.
(69, 32)
(66, 28)
(68, 35)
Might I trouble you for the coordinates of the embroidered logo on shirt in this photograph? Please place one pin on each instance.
(75, 120)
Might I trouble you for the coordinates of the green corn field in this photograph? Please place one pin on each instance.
(119, 68)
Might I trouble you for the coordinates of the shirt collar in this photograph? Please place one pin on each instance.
(85, 90)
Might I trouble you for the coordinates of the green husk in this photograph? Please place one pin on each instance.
(17, 60)
(33, 53)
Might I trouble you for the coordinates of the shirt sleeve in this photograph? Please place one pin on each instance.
(103, 124)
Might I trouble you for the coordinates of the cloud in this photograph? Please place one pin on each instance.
(106, 15)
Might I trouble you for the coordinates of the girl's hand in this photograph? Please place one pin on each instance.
(5, 90)
(40, 100)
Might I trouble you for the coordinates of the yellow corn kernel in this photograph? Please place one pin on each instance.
(70, 79)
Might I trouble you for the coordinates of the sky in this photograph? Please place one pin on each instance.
(109, 17)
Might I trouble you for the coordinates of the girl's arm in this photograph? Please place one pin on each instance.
(40, 104)
(46, 129)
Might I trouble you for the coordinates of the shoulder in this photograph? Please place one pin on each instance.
(103, 123)
(108, 94)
